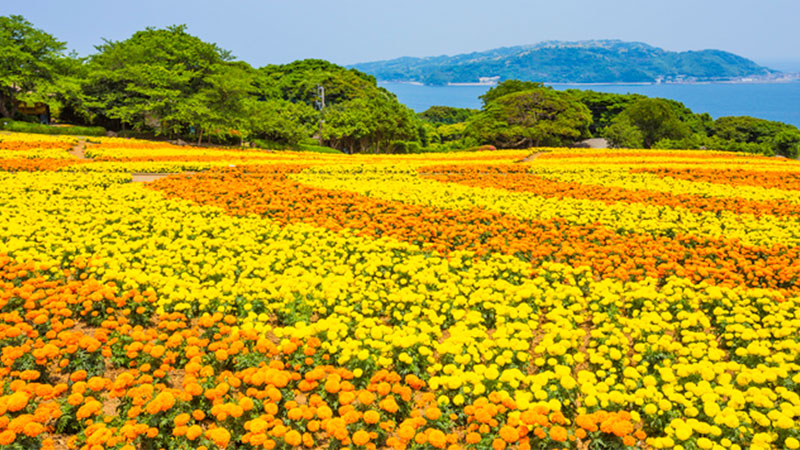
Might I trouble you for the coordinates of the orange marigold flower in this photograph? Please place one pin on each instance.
(193, 432)
(78, 375)
(366, 397)
(406, 432)
(433, 413)
(437, 438)
(246, 403)
(7, 437)
(372, 417)
(498, 444)
(17, 401)
(96, 384)
(182, 419)
(293, 438)
(473, 437)
(91, 408)
(389, 405)
(33, 429)
(29, 375)
(558, 434)
(332, 386)
(220, 436)
(509, 434)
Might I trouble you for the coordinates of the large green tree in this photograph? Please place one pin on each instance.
(508, 87)
(534, 117)
(654, 118)
(29, 58)
(149, 80)
(358, 116)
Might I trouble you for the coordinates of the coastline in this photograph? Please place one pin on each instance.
(790, 78)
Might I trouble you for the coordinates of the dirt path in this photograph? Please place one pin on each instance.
(150, 177)
(531, 157)
(79, 151)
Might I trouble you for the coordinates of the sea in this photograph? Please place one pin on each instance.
(772, 101)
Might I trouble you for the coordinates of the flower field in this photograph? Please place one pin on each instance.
(580, 299)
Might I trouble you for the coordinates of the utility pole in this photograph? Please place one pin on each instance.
(320, 105)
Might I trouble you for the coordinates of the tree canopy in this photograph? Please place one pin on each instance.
(533, 117)
(446, 115)
(30, 57)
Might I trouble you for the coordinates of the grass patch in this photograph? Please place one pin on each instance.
(27, 127)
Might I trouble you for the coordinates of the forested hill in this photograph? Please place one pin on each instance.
(602, 61)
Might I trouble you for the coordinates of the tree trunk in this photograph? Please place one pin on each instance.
(200, 139)
(3, 110)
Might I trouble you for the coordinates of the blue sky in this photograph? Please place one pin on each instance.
(349, 31)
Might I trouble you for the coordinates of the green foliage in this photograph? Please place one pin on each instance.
(281, 121)
(316, 149)
(622, 134)
(787, 143)
(427, 134)
(507, 87)
(30, 58)
(155, 79)
(748, 129)
(655, 118)
(530, 118)
(604, 106)
(298, 81)
(743, 134)
(358, 116)
(454, 132)
(27, 127)
(699, 141)
(368, 123)
(446, 115)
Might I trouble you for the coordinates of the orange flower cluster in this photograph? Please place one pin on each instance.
(267, 191)
(37, 164)
(518, 179)
(193, 158)
(617, 423)
(650, 154)
(766, 179)
(11, 144)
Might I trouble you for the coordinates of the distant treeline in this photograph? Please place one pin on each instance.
(168, 83)
(519, 114)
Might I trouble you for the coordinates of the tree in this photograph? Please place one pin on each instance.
(787, 143)
(149, 80)
(221, 106)
(508, 87)
(29, 59)
(529, 118)
(655, 119)
(446, 115)
(358, 116)
(280, 121)
(368, 123)
(622, 134)
(604, 106)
